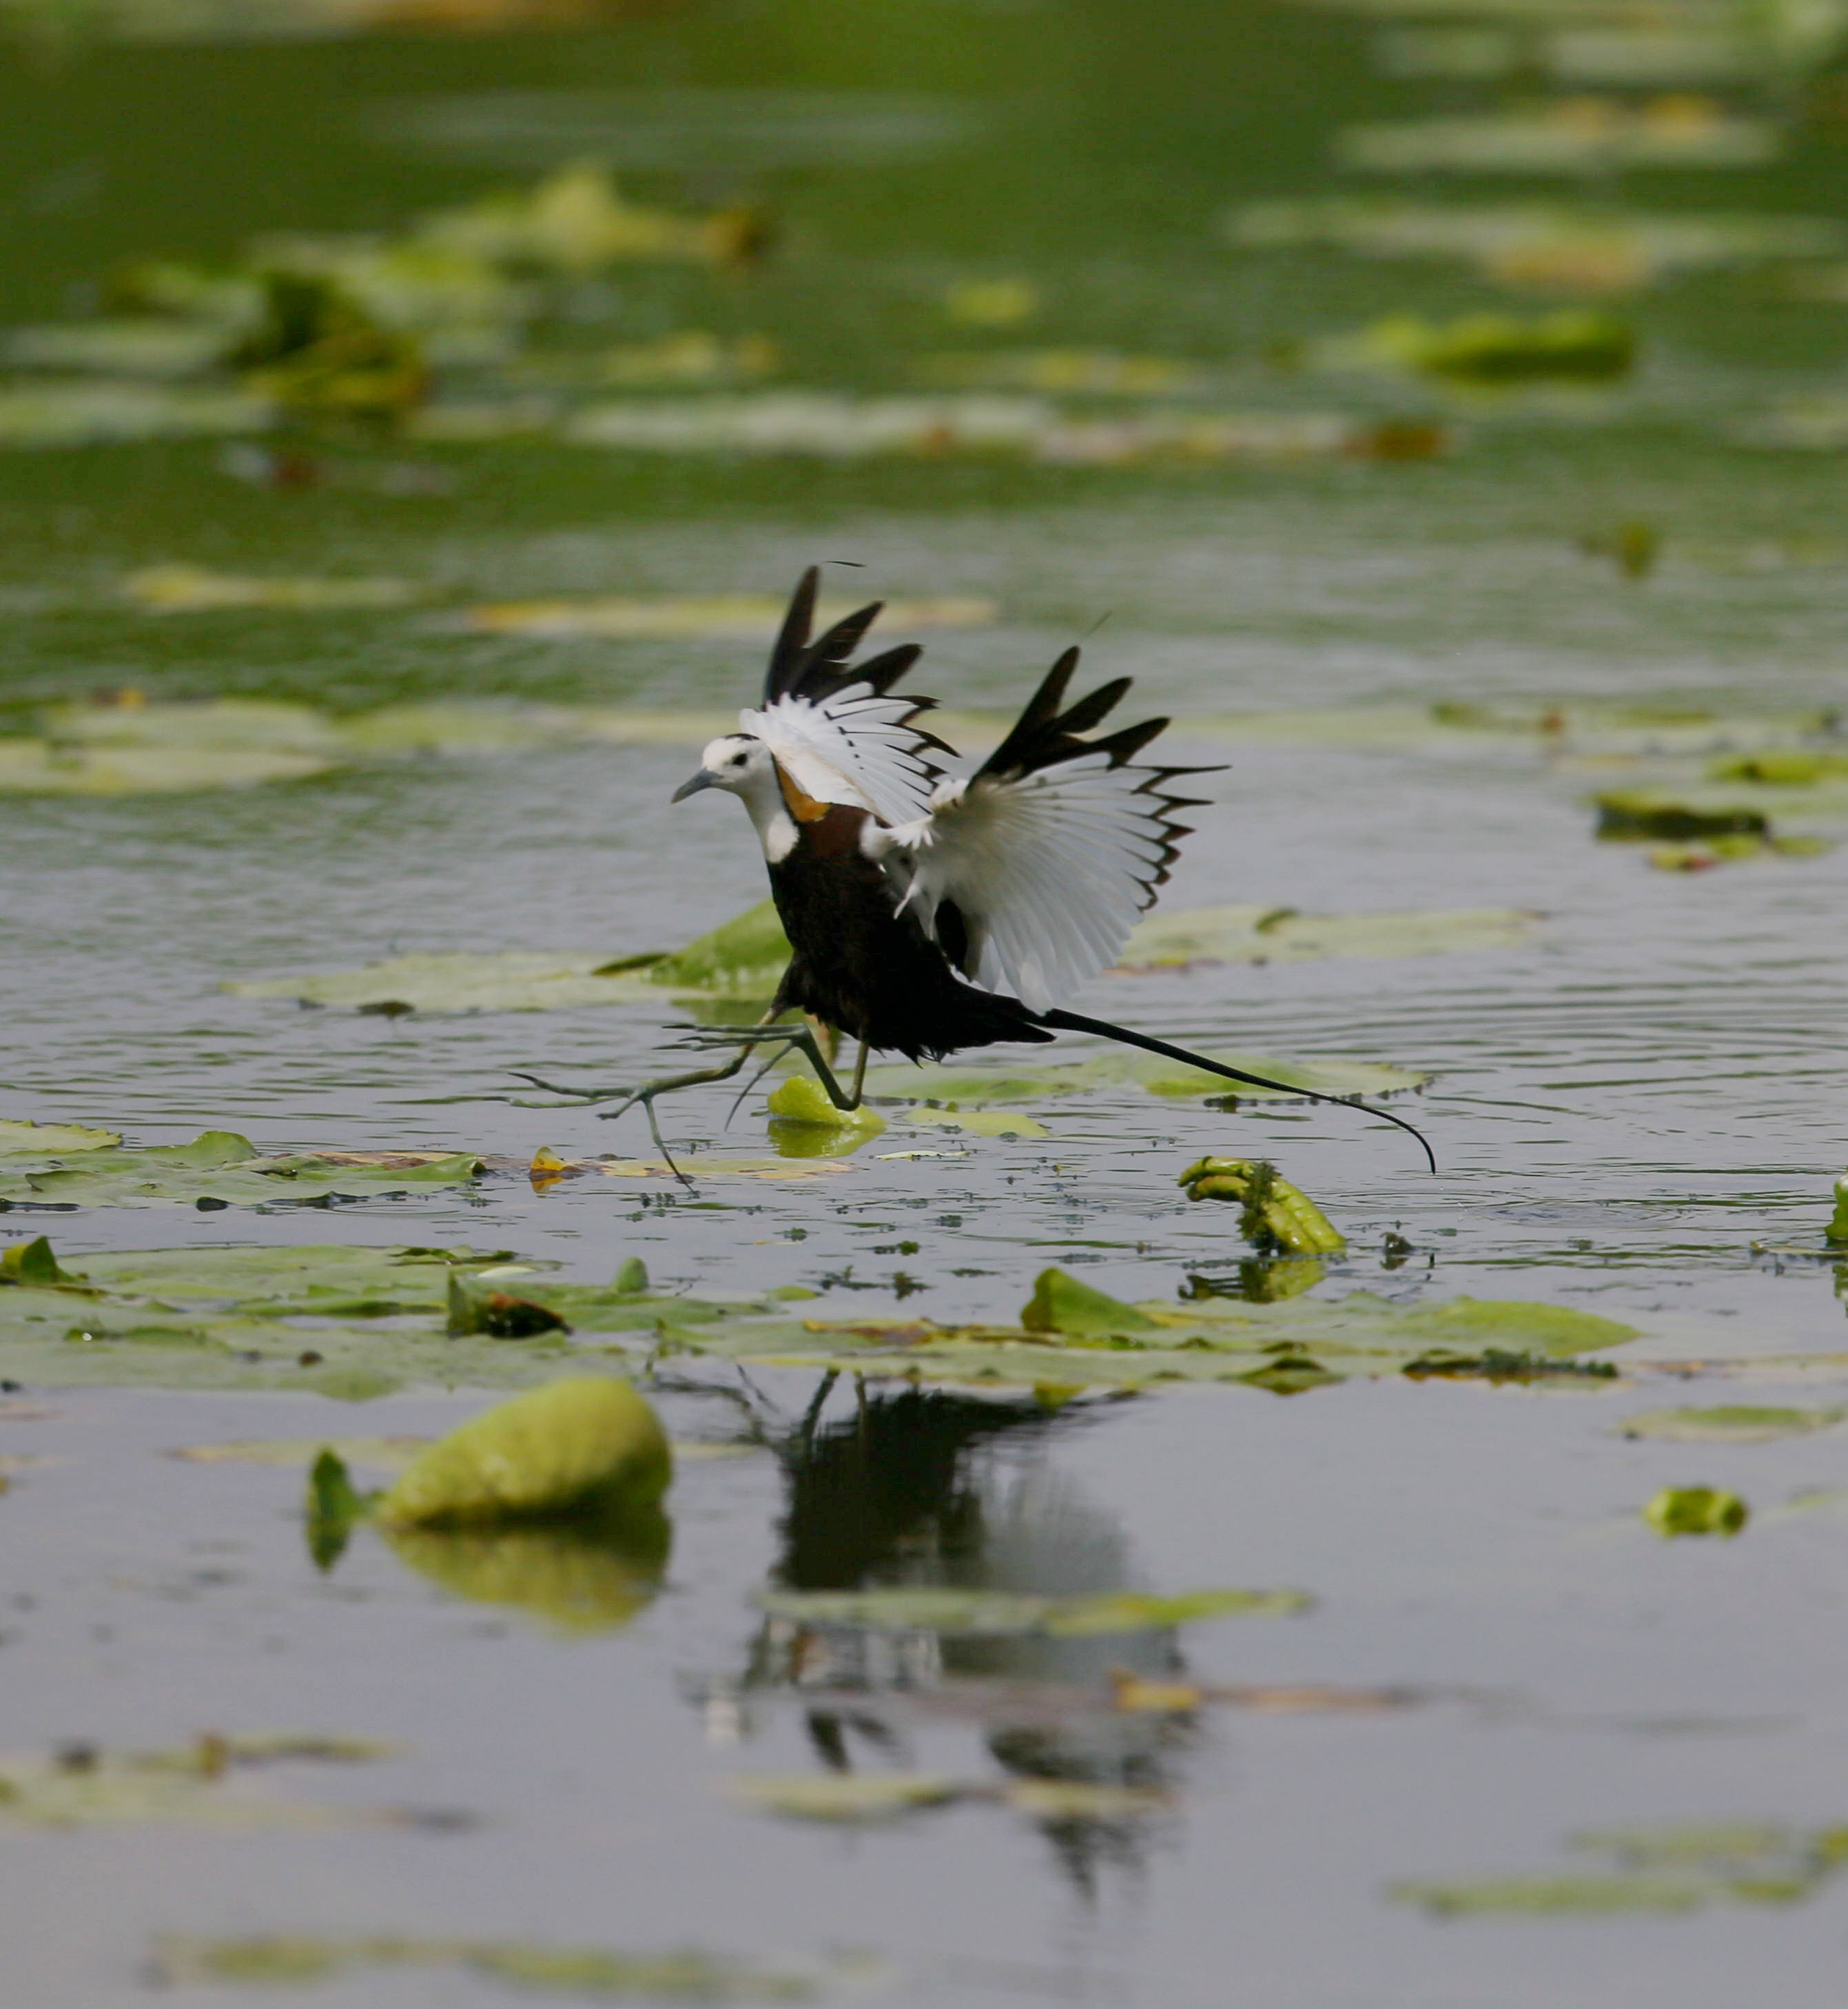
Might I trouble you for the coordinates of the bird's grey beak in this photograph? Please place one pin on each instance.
(702, 780)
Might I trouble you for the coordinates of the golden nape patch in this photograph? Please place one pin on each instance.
(804, 808)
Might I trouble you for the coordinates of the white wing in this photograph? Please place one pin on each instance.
(854, 747)
(1049, 869)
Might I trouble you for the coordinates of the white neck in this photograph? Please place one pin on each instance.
(762, 799)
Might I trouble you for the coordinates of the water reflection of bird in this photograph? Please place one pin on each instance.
(909, 1492)
(928, 915)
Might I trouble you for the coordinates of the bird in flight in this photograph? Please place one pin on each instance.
(927, 914)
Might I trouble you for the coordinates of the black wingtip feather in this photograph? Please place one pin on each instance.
(792, 637)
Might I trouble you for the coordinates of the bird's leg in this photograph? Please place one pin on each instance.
(804, 1042)
(859, 1072)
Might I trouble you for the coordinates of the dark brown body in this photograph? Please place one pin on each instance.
(864, 968)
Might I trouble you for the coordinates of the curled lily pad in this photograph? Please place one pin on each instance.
(806, 1123)
(568, 1449)
(1276, 1216)
(31, 1265)
(1062, 1304)
(949, 1610)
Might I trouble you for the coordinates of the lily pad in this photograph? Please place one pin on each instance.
(749, 617)
(41, 767)
(852, 1798)
(1566, 136)
(23, 1135)
(999, 1613)
(199, 1785)
(495, 980)
(111, 412)
(219, 1167)
(1253, 933)
(1289, 1345)
(1555, 1897)
(586, 1973)
(1696, 1510)
(1633, 816)
(1729, 1424)
(1494, 348)
(1680, 1868)
(978, 1087)
(187, 589)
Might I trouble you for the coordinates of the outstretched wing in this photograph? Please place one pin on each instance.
(1031, 875)
(833, 727)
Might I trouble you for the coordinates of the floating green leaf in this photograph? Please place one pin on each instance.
(1729, 1424)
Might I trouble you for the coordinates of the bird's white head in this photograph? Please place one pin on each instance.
(738, 763)
(743, 766)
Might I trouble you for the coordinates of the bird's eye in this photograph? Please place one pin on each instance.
(738, 759)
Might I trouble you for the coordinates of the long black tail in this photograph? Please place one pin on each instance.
(1073, 1021)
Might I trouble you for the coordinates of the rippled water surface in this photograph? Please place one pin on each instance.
(1621, 1106)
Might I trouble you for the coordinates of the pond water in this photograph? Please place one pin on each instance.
(1423, 613)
